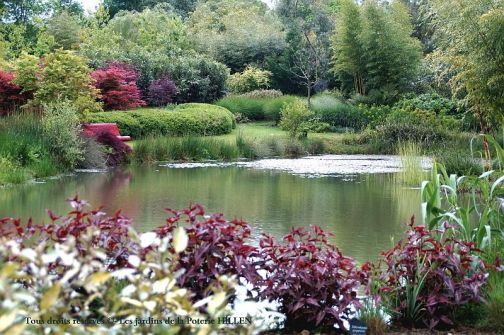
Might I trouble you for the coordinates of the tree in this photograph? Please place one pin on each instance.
(117, 85)
(65, 29)
(348, 57)
(156, 43)
(21, 11)
(470, 35)
(181, 7)
(309, 25)
(61, 75)
(375, 49)
(72, 7)
(236, 32)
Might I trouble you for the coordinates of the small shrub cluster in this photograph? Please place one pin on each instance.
(315, 284)
(186, 119)
(117, 85)
(87, 265)
(162, 91)
(61, 127)
(11, 95)
(250, 79)
(425, 279)
(293, 116)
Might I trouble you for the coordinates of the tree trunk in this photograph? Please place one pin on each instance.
(309, 86)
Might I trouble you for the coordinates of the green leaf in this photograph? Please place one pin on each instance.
(50, 297)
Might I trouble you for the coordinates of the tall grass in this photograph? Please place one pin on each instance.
(337, 113)
(253, 108)
(24, 150)
(155, 149)
(183, 149)
(412, 173)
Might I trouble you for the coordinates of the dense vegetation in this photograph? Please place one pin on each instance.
(184, 78)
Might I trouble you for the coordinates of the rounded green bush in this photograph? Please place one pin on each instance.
(187, 119)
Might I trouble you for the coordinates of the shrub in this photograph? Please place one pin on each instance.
(61, 126)
(198, 79)
(262, 93)
(69, 269)
(250, 79)
(162, 91)
(191, 119)
(117, 85)
(432, 102)
(376, 114)
(423, 117)
(272, 107)
(292, 117)
(390, 134)
(61, 75)
(423, 280)
(253, 108)
(313, 282)
(11, 95)
(119, 151)
(215, 247)
(338, 114)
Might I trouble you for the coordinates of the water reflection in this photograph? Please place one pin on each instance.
(362, 211)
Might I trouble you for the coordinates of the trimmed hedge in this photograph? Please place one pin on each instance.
(186, 119)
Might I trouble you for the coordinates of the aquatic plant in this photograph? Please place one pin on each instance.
(412, 173)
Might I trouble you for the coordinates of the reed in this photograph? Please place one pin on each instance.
(412, 173)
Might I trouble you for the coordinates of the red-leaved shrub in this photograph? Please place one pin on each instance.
(117, 85)
(11, 95)
(162, 91)
(119, 150)
(314, 283)
(424, 279)
(216, 247)
(113, 237)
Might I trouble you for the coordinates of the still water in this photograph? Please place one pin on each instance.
(354, 197)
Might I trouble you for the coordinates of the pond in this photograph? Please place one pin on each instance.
(354, 197)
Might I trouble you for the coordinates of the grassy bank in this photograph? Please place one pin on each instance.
(263, 139)
(24, 151)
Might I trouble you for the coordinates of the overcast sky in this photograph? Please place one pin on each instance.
(90, 5)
